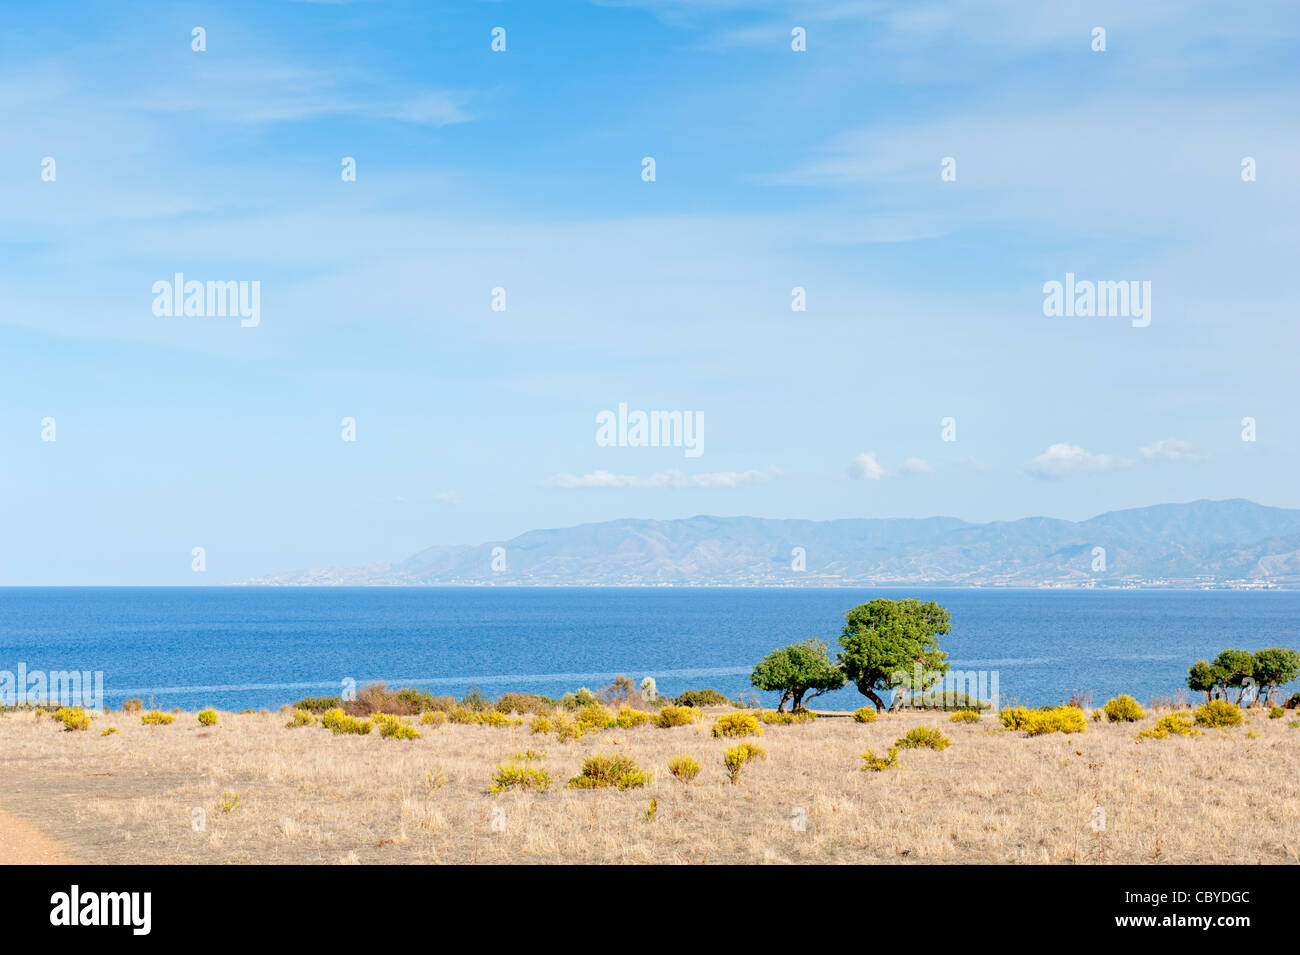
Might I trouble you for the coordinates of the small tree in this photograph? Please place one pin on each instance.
(1272, 668)
(894, 645)
(1202, 678)
(798, 672)
(1235, 668)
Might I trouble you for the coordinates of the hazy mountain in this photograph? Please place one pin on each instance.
(1236, 542)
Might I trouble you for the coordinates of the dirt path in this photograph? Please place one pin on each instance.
(22, 844)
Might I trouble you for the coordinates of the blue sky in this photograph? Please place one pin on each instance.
(522, 170)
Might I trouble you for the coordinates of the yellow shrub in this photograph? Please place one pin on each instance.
(593, 717)
(301, 718)
(541, 724)
(865, 714)
(671, 716)
(1014, 719)
(628, 717)
(1218, 713)
(1123, 709)
(600, 771)
(876, 763)
(110, 731)
(734, 759)
(228, 802)
(157, 718)
(737, 724)
(208, 717)
(965, 716)
(392, 727)
(337, 722)
(923, 737)
(433, 718)
(1056, 719)
(684, 768)
(72, 718)
(1175, 724)
(517, 776)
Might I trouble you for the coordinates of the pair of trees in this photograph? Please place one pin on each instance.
(885, 645)
(1240, 670)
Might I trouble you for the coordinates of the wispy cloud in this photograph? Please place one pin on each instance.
(665, 479)
(1066, 460)
(1170, 449)
(866, 467)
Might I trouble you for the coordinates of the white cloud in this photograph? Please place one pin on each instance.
(1170, 449)
(447, 497)
(664, 479)
(865, 467)
(916, 466)
(1063, 460)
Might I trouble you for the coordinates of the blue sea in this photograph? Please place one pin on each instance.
(237, 647)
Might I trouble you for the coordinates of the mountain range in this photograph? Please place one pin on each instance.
(1232, 543)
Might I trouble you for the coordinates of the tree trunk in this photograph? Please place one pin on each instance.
(871, 695)
(784, 698)
(798, 701)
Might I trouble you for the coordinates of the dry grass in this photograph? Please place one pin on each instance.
(306, 795)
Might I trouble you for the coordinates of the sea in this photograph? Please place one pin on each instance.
(239, 647)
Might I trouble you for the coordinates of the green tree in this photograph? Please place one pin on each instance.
(1202, 678)
(798, 672)
(894, 645)
(1235, 669)
(1273, 667)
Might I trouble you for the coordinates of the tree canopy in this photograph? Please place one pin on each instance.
(800, 671)
(894, 645)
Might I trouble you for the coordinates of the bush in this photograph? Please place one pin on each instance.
(701, 698)
(433, 718)
(1218, 713)
(923, 737)
(519, 776)
(865, 714)
(734, 759)
(110, 731)
(157, 718)
(524, 703)
(541, 724)
(579, 698)
(338, 722)
(628, 717)
(876, 763)
(73, 718)
(600, 771)
(1046, 719)
(208, 717)
(946, 700)
(684, 768)
(674, 715)
(132, 706)
(317, 704)
(1276, 713)
(1175, 724)
(737, 724)
(775, 718)
(300, 718)
(595, 717)
(392, 727)
(1123, 709)
(965, 716)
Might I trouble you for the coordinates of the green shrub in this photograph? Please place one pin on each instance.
(865, 714)
(578, 699)
(698, 699)
(600, 771)
(317, 704)
(946, 700)
(524, 703)
(675, 715)
(736, 724)
(965, 716)
(208, 717)
(1123, 709)
(773, 718)
(923, 737)
(518, 776)
(157, 718)
(1276, 712)
(684, 768)
(1218, 713)
(734, 759)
